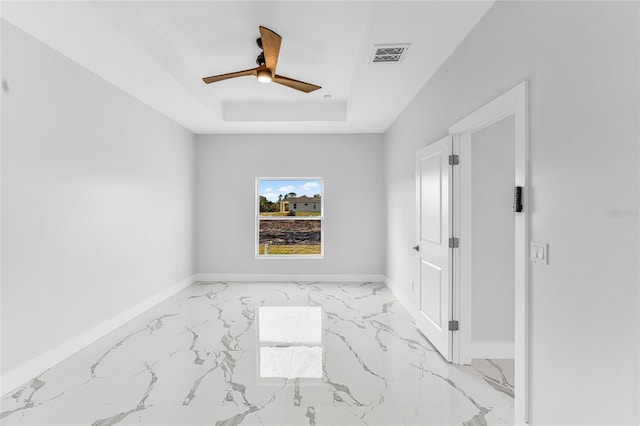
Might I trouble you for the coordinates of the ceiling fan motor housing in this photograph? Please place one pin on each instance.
(264, 75)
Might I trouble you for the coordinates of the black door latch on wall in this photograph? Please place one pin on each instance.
(517, 199)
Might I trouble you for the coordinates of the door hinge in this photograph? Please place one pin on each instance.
(454, 160)
(453, 326)
(454, 242)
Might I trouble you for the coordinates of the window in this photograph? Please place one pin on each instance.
(289, 217)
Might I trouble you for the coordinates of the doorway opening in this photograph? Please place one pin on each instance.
(491, 268)
(488, 192)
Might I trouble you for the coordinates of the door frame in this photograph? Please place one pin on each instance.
(514, 102)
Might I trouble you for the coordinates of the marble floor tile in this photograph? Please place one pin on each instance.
(230, 354)
(497, 372)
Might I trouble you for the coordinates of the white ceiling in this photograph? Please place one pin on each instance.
(158, 51)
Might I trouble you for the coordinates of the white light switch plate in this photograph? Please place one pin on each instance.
(540, 252)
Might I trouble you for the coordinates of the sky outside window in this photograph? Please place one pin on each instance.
(271, 189)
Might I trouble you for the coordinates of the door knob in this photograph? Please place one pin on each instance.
(416, 248)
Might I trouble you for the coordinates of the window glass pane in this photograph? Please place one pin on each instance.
(290, 236)
(301, 197)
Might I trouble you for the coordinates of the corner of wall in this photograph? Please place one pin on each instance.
(404, 299)
(36, 366)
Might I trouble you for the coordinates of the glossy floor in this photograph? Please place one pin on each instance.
(231, 354)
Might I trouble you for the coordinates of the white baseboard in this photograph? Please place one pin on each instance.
(290, 277)
(493, 350)
(30, 369)
(405, 300)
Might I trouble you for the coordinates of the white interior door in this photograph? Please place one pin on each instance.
(433, 204)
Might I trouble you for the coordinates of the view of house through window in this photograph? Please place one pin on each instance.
(289, 217)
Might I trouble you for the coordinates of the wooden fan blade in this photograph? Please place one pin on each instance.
(271, 47)
(295, 84)
(221, 77)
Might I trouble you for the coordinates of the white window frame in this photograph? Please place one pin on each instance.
(259, 218)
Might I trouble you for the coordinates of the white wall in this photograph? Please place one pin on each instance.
(97, 200)
(353, 200)
(582, 60)
(492, 240)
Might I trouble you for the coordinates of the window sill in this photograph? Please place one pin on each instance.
(290, 256)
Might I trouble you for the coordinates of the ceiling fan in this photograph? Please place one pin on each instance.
(267, 61)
